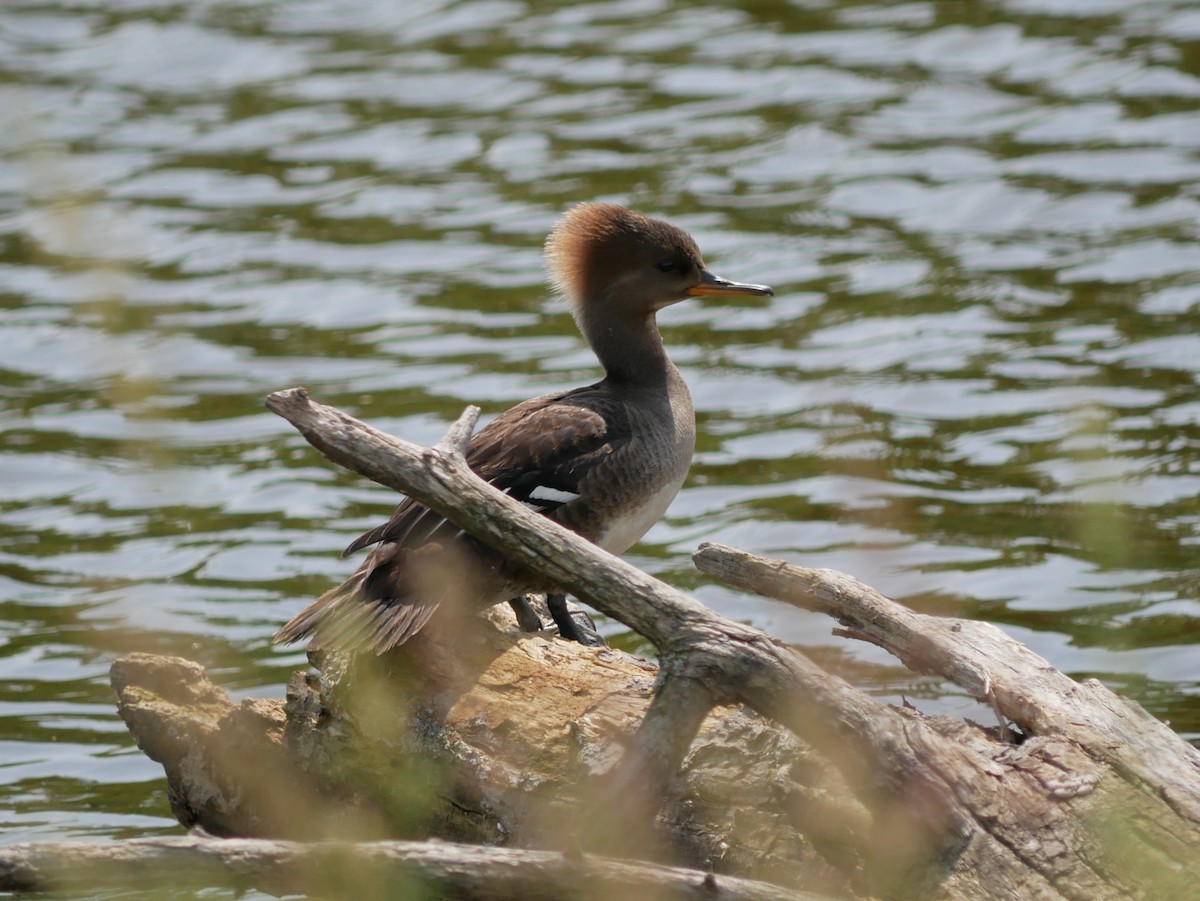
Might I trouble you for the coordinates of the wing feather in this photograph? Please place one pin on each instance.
(538, 452)
(549, 442)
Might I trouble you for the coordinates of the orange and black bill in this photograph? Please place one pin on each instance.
(715, 286)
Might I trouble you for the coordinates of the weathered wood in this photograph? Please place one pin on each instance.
(729, 662)
(363, 870)
(989, 664)
(531, 739)
(1119, 790)
(229, 769)
(485, 736)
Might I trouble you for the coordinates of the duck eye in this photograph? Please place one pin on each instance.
(666, 266)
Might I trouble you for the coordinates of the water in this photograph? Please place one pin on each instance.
(975, 387)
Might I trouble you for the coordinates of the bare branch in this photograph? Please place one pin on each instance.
(862, 611)
(987, 662)
(732, 662)
(448, 486)
(376, 869)
(1098, 801)
(457, 439)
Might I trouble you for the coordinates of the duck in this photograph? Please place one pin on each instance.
(604, 460)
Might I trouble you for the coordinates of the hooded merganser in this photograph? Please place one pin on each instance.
(604, 460)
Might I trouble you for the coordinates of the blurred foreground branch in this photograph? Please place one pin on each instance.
(366, 870)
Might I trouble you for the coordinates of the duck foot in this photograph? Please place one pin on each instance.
(577, 626)
(527, 618)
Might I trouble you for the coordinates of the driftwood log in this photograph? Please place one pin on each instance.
(735, 753)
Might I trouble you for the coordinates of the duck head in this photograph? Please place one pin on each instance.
(612, 262)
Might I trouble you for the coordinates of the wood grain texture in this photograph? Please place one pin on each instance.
(550, 741)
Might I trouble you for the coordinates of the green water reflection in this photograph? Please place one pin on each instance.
(975, 387)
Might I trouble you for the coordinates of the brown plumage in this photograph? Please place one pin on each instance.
(604, 460)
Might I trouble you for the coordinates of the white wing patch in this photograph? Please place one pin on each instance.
(552, 495)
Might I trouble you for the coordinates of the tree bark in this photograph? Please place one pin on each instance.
(1098, 800)
(486, 736)
(531, 741)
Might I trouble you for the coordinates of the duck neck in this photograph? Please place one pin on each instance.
(630, 350)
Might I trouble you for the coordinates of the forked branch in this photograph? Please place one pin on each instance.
(704, 657)
(948, 800)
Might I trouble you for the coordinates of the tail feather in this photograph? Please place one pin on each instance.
(401, 530)
(344, 619)
(306, 623)
(387, 601)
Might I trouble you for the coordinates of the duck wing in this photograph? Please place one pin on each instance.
(537, 452)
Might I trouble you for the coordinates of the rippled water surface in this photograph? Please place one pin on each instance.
(975, 388)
